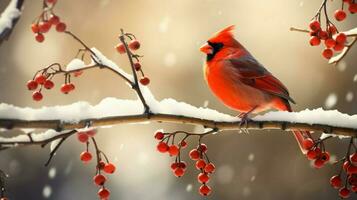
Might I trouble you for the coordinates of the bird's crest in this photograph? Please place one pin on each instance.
(224, 36)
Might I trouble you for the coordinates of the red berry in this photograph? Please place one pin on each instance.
(82, 137)
(54, 19)
(162, 147)
(179, 172)
(182, 165)
(315, 25)
(37, 96)
(209, 168)
(344, 193)
(61, 27)
(48, 84)
(330, 43)
(346, 164)
(336, 181)
(173, 150)
(340, 15)
(325, 156)
(203, 178)
(40, 79)
(332, 29)
(109, 168)
(194, 154)
(200, 164)
(341, 38)
(352, 169)
(35, 28)
(352, 179)
(327, 53)
(103, 193)
(71, 86)
(137, 66)
(354, 188)
(86, 156)
(353, 158)
(44, 26)
(145, 81)
(348, 1)
(183, 144)
(91, 132)
(205, 190)
(99, 179)
(339, 47)
(318, 151)
(202, 148)
(323, 35)
(39, 37)
(353, 8)
(308, 143)
(32, 85)
(315, 41)
(319, 163)
(65, 88)
(174, 165)
(311, 155)
(159, 135)
(121, 48)
(134, 45)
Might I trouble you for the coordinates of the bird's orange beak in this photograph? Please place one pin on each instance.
(206, 48)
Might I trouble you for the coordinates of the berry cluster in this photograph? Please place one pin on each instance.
(341, 15)
(334, 40)
(46, 20)
(133, 45)
(109, 168)
(42, 79)
(178, 166)
(349, 170)
(316, 152)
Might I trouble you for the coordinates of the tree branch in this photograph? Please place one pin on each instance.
(9, 18)
(129, 119)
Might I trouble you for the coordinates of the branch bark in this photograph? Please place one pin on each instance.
(157, 117)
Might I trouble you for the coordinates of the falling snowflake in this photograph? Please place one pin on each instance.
(349, 96)
(52, 173)
(331, 100)
(47, 191)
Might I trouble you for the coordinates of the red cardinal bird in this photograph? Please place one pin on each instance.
(242, 83)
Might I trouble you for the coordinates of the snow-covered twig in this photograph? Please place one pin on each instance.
(9, 18)
(115, 111)
(351, 34)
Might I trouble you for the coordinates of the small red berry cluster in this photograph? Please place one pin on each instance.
(349, 169)
(46, 20)
(42, 79)
(341, 15)
(334, 40)
(133, 45)
(109, 168)
(178, 166)
(316, 152)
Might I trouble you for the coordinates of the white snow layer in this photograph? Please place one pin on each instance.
(10, 13)
(75, 64)
(109, 107)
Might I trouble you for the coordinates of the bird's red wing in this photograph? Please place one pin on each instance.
(252, 73)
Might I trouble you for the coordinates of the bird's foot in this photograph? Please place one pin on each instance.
(243, 124)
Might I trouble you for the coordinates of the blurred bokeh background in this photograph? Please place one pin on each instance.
(261, 165)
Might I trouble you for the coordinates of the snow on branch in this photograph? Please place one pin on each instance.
(9, 18)
(111, 111)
